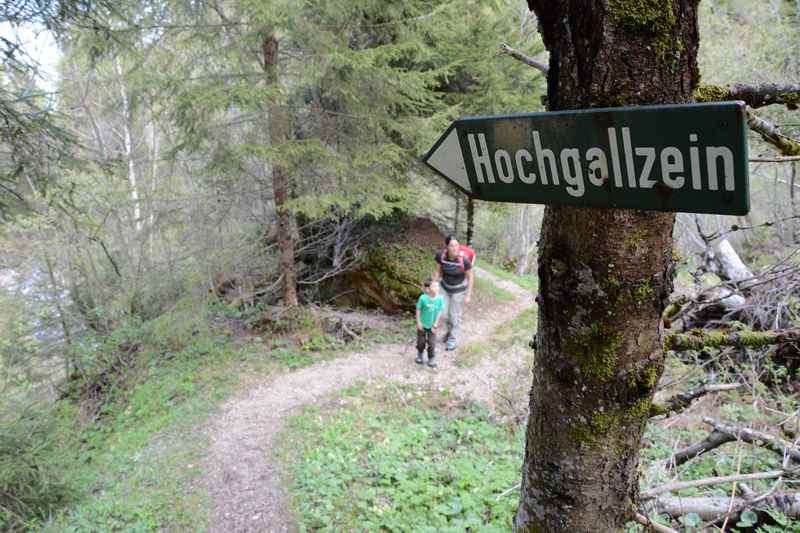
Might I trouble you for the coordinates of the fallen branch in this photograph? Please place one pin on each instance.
(713, 507)
(787, 94)
(787, 159)
(642, 519)
(519, 56)
(723, 433)
(706, 482)
(757, 438)
(769, 132)
(507, 491)
(731, 265)
(672, 310)
(714, 440)
(699, 339)
(681, 401)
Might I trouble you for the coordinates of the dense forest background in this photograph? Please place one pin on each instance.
(151, 185)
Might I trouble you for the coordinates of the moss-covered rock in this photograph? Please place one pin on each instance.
(392, 270)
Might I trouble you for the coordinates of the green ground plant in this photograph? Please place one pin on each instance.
(402, 459)
(121, 452)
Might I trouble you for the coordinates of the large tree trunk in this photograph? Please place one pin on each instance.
(604, 275)
(470, 220)
(278, 133)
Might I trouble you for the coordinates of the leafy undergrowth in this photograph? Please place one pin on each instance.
(402, 458)
(130, 459)
(409, 458)
(134, 461)
(137, 467)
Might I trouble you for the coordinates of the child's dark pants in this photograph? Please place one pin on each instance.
(426, 336)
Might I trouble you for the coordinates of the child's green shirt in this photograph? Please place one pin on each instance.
(429, 309)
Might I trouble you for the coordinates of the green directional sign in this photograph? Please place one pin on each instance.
(688, 157)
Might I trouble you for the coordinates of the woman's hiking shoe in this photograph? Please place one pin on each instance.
(419, 360)
(431, 363)
(451, 344)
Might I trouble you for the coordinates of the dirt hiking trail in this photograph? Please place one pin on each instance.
(245, 482)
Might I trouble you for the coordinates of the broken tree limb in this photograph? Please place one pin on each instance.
(707, 482)
(655, 526)
(756, 438)
(733, 268)
(723, 433)
(519, 56)
(767, 224)
(787, 94)
(681, 401)
(787, 159)
(699, 339)
(712, 507)
(672, 310)
(770, 133)
(714, 440)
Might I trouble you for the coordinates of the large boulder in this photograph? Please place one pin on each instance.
(395, 264)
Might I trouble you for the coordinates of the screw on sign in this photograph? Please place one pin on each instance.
(687, 157)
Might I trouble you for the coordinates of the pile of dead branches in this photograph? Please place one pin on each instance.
(717, 511)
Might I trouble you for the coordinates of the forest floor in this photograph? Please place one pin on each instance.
(246, 481)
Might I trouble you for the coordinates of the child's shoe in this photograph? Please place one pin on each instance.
(451, 344)
(419, 360)
(432, 362)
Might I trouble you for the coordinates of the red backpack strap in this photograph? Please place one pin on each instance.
(460, 258)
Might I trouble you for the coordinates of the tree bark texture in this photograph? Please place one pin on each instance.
(470, 220)
(605, 275)
(278, 133)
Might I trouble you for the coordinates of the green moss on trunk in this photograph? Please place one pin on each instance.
(595, 350)
(654, 16)
(712, 93)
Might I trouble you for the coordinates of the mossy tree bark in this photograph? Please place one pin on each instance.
(605, 274)
(470, 220)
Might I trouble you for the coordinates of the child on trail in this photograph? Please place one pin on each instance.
(429, 313)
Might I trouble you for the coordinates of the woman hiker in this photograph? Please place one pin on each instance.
(455, 274)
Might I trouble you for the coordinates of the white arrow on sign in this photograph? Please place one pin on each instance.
(446, 159)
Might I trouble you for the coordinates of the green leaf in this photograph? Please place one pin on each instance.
(748, 518)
